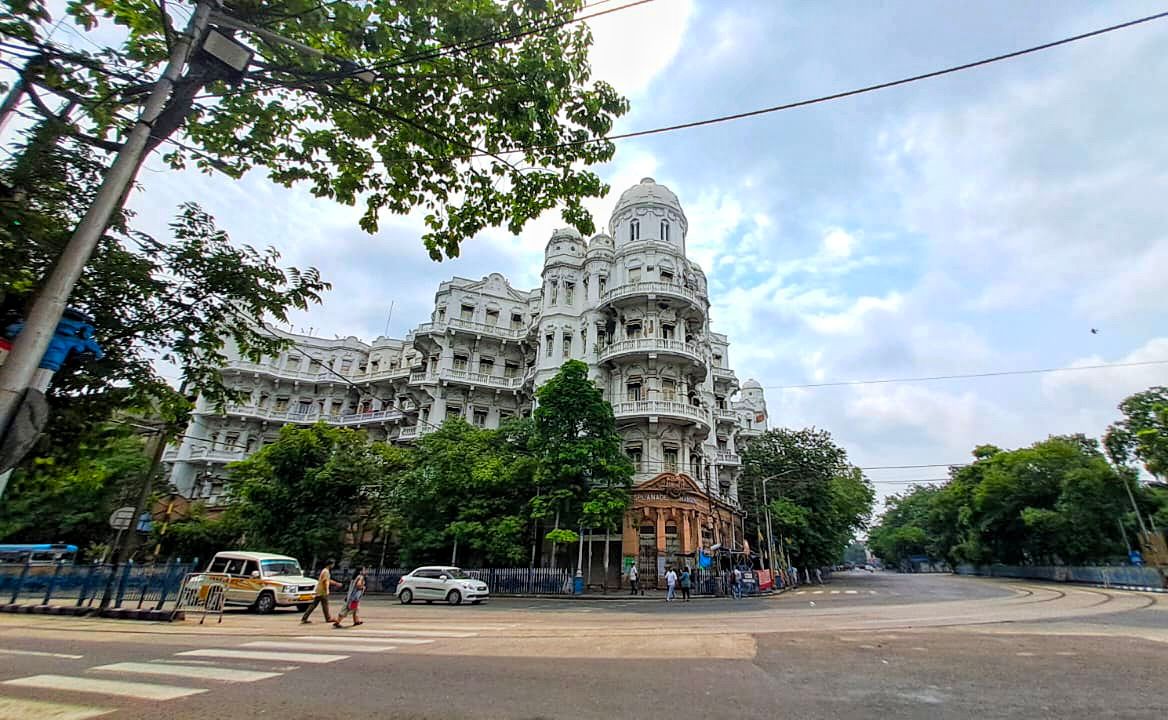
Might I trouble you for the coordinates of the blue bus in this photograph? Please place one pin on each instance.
(43, 554)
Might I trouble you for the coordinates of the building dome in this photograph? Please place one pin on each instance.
(565, 241)
(751, 384)
(600, 241)
(647, 192)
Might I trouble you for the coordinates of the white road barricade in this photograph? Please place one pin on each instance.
(203, 592)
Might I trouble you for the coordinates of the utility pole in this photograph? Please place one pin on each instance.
(17, 372)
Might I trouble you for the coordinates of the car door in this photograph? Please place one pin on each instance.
(237, 591)
(431, 584)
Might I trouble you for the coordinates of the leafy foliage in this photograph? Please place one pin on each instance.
(817, 500)
(405, 107)
(1142, 434)
(1057, 501)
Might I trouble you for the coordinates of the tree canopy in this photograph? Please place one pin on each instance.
(478, 113)
(817, 499)
(1142, 434)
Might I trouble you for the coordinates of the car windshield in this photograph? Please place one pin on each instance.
(281, 567)
(456, 573)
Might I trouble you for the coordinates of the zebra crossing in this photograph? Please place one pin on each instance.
(834, 592)
(187, 673)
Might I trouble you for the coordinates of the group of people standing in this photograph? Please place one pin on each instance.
(353, 595)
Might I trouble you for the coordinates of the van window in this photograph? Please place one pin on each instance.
(235, 567)
(218, 565)
(249, 567)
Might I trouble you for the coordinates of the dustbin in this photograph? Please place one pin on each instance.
(578, 584)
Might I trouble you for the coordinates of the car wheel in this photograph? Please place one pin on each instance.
(303, 607)
(405, 597)
(265, 603)
(454, 598)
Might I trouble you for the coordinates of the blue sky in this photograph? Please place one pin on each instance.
(977, 222)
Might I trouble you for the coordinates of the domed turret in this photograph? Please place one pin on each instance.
(751, 384)
(648, 211)
(647, 192)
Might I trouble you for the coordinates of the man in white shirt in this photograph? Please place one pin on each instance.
(633, 575)
(670, 585)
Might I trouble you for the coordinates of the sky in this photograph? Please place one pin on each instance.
(978, 222)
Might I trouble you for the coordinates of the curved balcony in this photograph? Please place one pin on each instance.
(473, 378)
(726, 415)
(470, 326)
(651, 346)
(727, 458)
(652, 291)
(314, 415)
(670, 409)
(726, 375)
(215, 456)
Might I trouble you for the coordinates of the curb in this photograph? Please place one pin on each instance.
(109, 613)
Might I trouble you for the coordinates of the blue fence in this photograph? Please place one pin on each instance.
(1119, 575)
(133, 586)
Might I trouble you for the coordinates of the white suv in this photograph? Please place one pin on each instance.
(437, 582)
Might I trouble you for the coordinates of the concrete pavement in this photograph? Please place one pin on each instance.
(871, 645)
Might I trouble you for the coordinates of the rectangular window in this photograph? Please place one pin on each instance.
(305, 407)
(634, 274)
(293, 362)
(717, 360)
(601, 338)
(487, 366)
(466, 312)
(492, 318)
(665, 230)
(634, 230)
(516, 321)
(670, 459)
(460, 362)
(720, 402)
(480, 417)
(668, 331)
(231, 441)
(510, 370)
(454, 411)
(584, 341)
(567, 341)
(633, 330)
(585, 286)
(668, 389)
(442, 314)
(666, 276)
(281, 404)
(555, 292)
(569, 292)
(346, 365)
(633, 391)
(603, 283)
(548, 342)
(634, 453)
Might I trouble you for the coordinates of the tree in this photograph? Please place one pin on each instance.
(580, 456)
(480, 113)
(818, 500)
(1142, 434)
(69, 498)
(308, 493)
(177, 300)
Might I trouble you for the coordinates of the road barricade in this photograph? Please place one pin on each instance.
(203, 592)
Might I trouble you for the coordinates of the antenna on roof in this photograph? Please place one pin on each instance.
(387, 319)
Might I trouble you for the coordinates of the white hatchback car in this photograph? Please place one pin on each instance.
(438, 582)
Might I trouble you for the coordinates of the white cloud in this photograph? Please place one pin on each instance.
(838, 243)
(851, 321)
(632, 47)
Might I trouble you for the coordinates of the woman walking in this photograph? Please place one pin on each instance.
(353, 599)
(686, 578)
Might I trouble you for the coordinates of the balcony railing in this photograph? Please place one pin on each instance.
(726, 415)
(319, 375)
(478, 328)
(675, 409)
(726, 374)
(413, 432)
(728, 458)
(651, 345)
(311, 416)
(653, 289)
(216, 455)
(475, 378)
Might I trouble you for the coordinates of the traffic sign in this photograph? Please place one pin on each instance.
(121, 518)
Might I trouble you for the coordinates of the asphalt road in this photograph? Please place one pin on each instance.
(883, 645)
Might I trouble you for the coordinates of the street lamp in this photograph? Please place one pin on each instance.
(767, 510)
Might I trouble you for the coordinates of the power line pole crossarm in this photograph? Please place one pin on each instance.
(29, 347)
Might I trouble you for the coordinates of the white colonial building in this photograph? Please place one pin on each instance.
(629, 303)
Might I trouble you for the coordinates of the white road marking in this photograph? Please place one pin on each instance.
(313, 647)
(816, 592)
(800, 592)
(38, 653)
(312, 658)
(1065, 653)
(835, 592)
(351, 639)
(871, 592)
(142, 691)
(1024, 654)
(12, 709)
(200, 672)
(418, 633)
(850, 592)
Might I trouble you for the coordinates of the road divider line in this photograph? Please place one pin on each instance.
(311, 658)
(38, 653)
(198, 672)
(313, 647)
(416, 633)
(13, 709)
(119, 688)
(351, 639)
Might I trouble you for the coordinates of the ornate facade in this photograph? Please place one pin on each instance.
(627, 302)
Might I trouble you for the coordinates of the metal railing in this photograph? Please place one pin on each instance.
(500, 331)
(721, 373)
(476, 378)
(313, 415)
(83, 585)
(728, 458)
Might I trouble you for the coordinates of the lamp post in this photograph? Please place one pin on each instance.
(767, 510)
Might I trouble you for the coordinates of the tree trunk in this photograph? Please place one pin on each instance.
(607, 545)
(588, 577)
(557, 527)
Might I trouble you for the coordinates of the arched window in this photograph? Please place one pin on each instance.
(665, 230)
(634, 230)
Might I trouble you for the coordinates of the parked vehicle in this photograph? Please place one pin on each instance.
(263, 581)
(42, 554)
(437, 582)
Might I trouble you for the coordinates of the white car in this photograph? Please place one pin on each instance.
(438, 582)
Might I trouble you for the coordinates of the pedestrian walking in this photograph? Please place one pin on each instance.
(737, 584)
(686, 579)
(670, 585)
(819, 575)
(324, 583)
(353, 599)
(633, 579)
